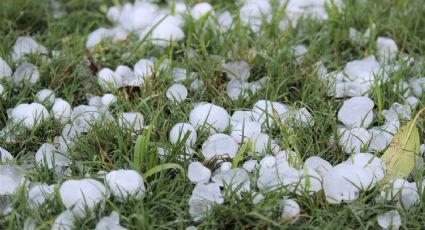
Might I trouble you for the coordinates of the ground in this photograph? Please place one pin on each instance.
(108, 147)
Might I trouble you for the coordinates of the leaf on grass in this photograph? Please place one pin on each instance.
(399, 158)
(162, 167)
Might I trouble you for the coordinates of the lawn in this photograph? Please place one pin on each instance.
(333, 91)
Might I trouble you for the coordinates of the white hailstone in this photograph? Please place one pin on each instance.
(144, 68)
(48, 156)
(70, 132)
(224, 166)
(266, 112)
(257, 85)
(239, 117)
(244, 131)
(125, 73)
(278, 175)
(356, 112)
(111, 222)
(387, 48)
(207, 192)
(26, 72)
(225, 21)
(131, 120)
(219, 145)
(288, 176)
(236, 179)
(179, 132)
(186, 153)
(409, 196)
(380, 139)
(178, 74)
(26, 45)
(1, 90)
(5, 70)
(179, 6)
(412, 101)
(303, 118)
(210, 116)
(113, 14)
(29, 224)
(29, 115)
(204, 196)
(196, 84)
(257, 198)
(391, 127)
(109, 99)
(406, 194)
(95, 101)
(389, 220)
(164, 34)
(5, 155)
(268, 162)
(236, 88)
(288, 157)
(165, 18)
(38, 194)
(191, 228)
(46, 96)
(139, 16)
(237, 70)
(11, 179)
(363, 70)
(199, 209)
(392, 190)
(343, 182)
(291, 210)
(353, 140)
(311, 181)
(77, 195)
(64, 221)
(370, 163)
(250, 165)
(201, 9)
(320, 165)
(348, 89)
(252, 13)
(284, 24)
(417, 86)
(108, 80)
(397, 112)
(262, 143)
(198, 173)
(355, 35)
(84, 117)
(176, 93)
(299, 52)
(296, 10)
(125, 183)
(268, 178)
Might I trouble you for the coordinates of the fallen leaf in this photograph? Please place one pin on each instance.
(399, 158)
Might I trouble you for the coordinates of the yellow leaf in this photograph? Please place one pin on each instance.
(399, 158)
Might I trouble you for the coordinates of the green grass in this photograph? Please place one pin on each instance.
(108, 147)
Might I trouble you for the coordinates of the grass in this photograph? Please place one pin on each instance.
(108, 147)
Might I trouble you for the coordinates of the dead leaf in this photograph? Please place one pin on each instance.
(399, 158)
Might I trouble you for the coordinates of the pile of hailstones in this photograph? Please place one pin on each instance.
(75, 121)
(163, 26)
(277, 169)
(282, 168)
